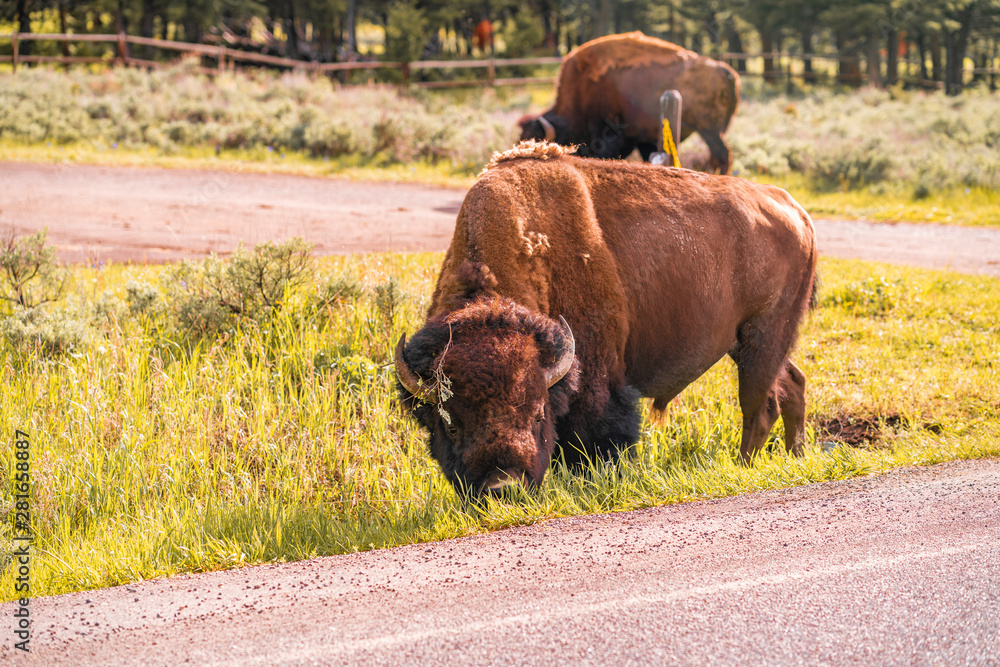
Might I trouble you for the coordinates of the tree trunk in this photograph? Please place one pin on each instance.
(936, 73)
(892, 57)
(146, 24)
(848, 67)
(767, 46)
(993, 57)
(352, 36)
(958, 44)
(121, 21)
(806, 36)
(735, 44)
(558, 34)
(63, 46)
(292, 29)
(148, 16)
(874, 63)
(605, 17)
(549, 40)
(922, 49)
(23, 11)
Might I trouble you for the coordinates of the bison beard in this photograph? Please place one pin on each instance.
(658, 272)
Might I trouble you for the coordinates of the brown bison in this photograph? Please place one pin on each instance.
(608, 98)
(572, 287)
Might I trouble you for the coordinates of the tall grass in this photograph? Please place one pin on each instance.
(157, 451)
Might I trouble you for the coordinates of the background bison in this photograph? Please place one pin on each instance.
(608, 98)
(658, 273)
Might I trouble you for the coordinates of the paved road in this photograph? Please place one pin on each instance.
(896, 569)
(108, 213)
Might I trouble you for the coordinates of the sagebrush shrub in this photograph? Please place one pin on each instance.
(214, 295)
(175, 108)
(29, 272)
(41, 331)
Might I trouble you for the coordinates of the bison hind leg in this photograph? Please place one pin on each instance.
(721, 157)
(792, 401)
(786, 397)
(605, 438)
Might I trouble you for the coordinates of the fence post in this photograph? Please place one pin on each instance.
(122, 49)
(491, 73)
(670, 134)
(406, 74)
(222, 58)
(14, 48)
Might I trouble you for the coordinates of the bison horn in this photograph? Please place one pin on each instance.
(406, 376)
(565, 362)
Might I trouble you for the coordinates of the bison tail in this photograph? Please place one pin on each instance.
(734, 94)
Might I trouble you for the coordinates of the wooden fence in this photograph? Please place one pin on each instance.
(789, 67)
(226, 57)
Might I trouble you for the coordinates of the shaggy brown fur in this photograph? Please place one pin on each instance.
(659, 272)
(608, 92)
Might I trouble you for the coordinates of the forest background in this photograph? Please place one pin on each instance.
(952, 43)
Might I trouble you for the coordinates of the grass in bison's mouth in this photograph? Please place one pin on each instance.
(154, 455)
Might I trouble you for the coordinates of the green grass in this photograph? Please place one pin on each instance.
(971, 207)
(253, 160)
(155, 454)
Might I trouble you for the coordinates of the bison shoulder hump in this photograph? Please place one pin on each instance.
(530, 149)
(626, 51)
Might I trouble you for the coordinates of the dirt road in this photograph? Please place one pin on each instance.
(897, 569)
(149, 215)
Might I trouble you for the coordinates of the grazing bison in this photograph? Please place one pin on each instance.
(608, 98)
(572, 287)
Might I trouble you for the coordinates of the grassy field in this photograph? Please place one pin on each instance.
(880, 155)
(169, 435)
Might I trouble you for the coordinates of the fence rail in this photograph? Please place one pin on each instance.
(226, 57)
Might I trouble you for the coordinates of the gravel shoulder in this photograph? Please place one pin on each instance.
(96, 214)
(897, 568)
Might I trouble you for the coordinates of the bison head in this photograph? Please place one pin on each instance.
(547, 127)
(488, 382)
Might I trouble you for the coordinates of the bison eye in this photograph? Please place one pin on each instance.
(539, 417)
(452, 431)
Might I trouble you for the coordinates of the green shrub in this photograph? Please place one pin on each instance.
(36, 330)
(215, 295)
(141, 297)
(924, 142)
(852, 166)
(176, 108)
(336, 291)
(29, 273)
